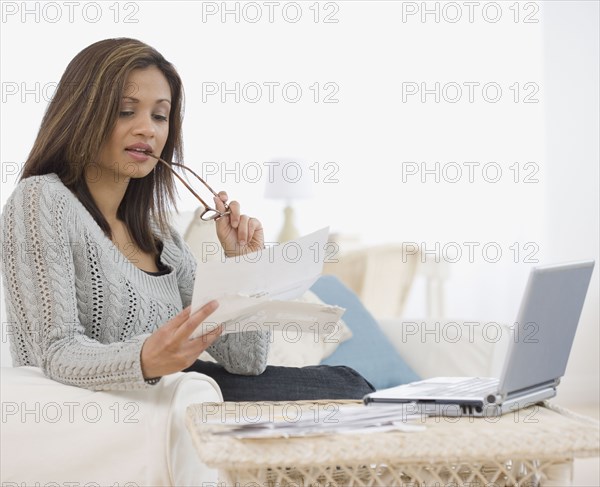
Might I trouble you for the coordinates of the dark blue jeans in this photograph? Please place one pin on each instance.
(287, 383)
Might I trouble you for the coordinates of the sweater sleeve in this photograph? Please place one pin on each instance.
(40, 288)
(243, 353)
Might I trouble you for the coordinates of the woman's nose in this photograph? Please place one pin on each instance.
(144, 125)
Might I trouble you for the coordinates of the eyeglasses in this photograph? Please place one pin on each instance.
(209, 214)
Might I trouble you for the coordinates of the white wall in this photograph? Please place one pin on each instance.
(571, 54)
(372, 49)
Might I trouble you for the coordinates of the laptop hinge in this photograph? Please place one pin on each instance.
(531, 389)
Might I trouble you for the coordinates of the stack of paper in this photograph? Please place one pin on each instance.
(254, 290)
(339, 419)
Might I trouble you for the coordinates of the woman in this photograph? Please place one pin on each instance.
(98, 283)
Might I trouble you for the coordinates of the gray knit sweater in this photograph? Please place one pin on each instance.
(78, 308)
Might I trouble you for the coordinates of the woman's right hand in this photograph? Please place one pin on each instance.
(170, 349)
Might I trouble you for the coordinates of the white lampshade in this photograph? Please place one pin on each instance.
(289, 178)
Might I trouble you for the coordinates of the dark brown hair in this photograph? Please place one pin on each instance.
(72, 133)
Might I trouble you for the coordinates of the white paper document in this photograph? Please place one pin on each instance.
(254, 290)
(337, 419)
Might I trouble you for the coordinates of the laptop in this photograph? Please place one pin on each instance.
(536, 359)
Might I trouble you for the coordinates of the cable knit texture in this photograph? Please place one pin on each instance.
(79, 308)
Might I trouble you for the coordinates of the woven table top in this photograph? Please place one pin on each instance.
(539, 432)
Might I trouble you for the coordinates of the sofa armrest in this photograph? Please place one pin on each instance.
(52, 432)
(449, 347)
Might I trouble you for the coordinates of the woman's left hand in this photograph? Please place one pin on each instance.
(238, 234)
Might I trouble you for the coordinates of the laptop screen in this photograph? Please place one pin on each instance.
(546, 325)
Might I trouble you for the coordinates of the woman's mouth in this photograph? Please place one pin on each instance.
(139, 152)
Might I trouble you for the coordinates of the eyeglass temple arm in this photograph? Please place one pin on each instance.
(185, 183)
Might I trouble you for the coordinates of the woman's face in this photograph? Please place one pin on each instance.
(142, 125)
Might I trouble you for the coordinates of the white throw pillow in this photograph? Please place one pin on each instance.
(201, 238)
(291, 348)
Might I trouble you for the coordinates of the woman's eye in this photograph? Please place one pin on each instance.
(129, 113)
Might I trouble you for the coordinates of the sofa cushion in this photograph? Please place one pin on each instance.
(369, 352)
(380, 275)
(450, 347)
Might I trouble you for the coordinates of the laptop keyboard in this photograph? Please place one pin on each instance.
(468, 387)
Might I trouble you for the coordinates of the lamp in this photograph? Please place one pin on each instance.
(289, 179)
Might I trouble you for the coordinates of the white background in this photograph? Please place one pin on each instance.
(369, 54)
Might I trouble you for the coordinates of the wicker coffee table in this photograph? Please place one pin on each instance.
(534, 446)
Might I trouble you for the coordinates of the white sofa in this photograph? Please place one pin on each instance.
(57, 433)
